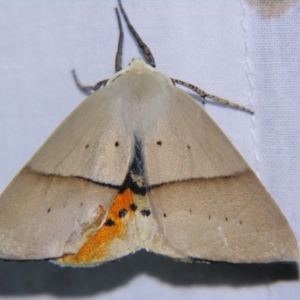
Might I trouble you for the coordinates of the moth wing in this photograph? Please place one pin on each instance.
(62, 196)
(207, 201)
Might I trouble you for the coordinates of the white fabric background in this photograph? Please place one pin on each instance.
(224, 47)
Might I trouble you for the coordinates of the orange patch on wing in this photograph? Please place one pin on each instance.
(96, 249)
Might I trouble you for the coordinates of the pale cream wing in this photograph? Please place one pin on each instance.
(186, 143)
(207, 201)
(92, 142)
(230, 219)
(63, 195)
(47, 216)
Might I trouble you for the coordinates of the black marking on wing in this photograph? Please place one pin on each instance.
(135, 177)
(133, 207)
(109, 223)
(122, 213)
(145, 212)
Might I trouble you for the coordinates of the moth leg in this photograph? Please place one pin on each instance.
(88, 88)
(205, 95)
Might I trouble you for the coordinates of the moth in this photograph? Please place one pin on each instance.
(140, 165)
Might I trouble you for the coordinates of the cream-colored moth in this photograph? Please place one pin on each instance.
(140, 165)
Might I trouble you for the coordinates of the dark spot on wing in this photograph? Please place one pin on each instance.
(165, 215)
(209, 217)
(117, 144)
(133, 207)
(241, 222)
(145, 212)
(188, 146)
(86, 146)
(159, 143)
(109, 222)
(49, 209)
(226, 219)
(122, 213)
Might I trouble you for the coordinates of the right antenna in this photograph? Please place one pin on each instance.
(146, 51)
